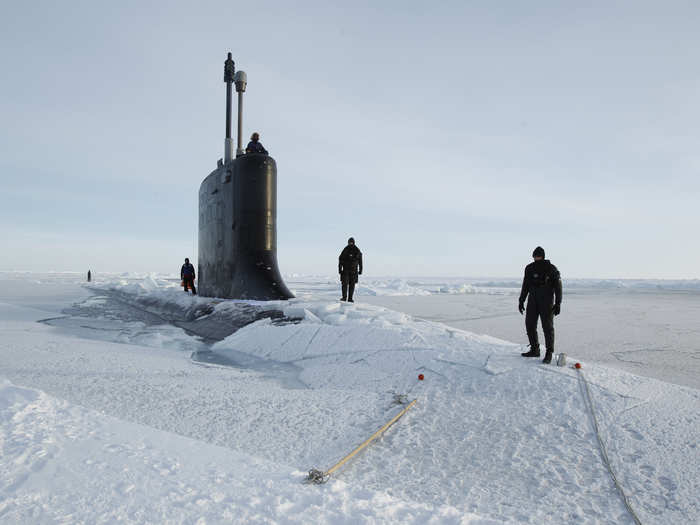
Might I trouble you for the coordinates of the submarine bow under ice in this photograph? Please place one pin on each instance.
(238, 222)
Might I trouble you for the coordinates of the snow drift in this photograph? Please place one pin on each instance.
(493, 438)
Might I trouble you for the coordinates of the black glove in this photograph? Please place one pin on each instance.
(521, 308)
(556, 309)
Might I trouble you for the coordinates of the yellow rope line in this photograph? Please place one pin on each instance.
(368, 441)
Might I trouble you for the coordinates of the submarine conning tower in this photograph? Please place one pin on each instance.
(238, 218)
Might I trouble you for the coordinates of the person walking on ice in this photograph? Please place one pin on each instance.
(349, 267)
(187, 276)
(542, 289)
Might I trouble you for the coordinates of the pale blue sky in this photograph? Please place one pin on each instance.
(449, 138)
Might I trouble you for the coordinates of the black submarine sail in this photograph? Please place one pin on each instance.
(238, 218)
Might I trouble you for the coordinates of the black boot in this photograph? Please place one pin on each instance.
(547, 357)
(534, 352)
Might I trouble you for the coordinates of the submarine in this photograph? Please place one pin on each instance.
(238, 217)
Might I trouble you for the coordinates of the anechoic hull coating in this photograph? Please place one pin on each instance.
(238, 231)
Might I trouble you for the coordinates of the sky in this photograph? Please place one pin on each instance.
(448, 138)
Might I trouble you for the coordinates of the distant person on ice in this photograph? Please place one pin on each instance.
(254, 145)
(542, 289)
(89, 276)
(349, 267)
(187, 276)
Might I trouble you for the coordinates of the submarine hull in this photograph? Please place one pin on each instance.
(238, 231)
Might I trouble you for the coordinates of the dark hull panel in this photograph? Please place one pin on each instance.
(238, 231)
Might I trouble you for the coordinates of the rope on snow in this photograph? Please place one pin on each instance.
(319, 476)
(603, 451)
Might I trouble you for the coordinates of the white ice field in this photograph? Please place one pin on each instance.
(107, 417)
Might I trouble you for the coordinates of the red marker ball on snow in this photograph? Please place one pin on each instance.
(578, 365)
(420, 377)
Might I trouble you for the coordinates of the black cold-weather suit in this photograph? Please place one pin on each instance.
(542, 289)
(187, 276)
(255, 147)
(349, 267)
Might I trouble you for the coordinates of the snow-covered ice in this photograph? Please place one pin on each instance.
(106, 416)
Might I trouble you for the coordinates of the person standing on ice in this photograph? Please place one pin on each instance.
(254, 146)
(542, 289)
(187, 276)
(349, 267)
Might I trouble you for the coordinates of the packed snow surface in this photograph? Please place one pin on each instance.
(107, 415)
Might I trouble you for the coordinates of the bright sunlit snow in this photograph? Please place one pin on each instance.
(116, 405)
